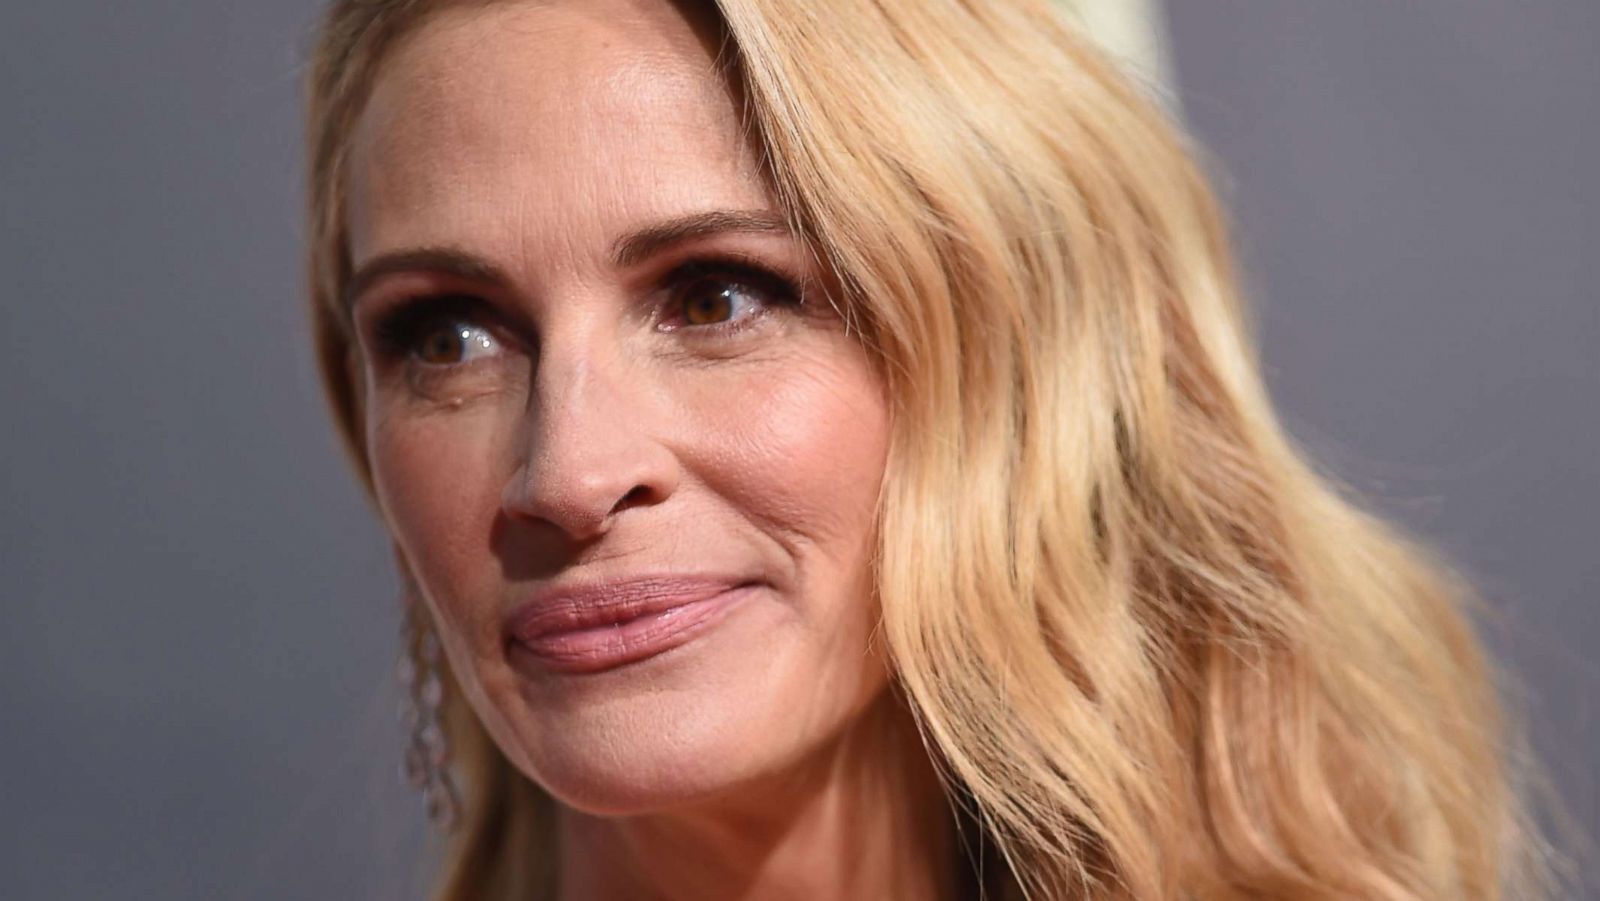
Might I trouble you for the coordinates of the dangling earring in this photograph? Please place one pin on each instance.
(427, 758)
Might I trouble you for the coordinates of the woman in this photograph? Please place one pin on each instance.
(824, 442)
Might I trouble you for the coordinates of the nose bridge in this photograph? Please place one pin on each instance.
(588, 450)
(574, 403)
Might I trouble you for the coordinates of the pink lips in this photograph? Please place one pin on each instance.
(596, 627)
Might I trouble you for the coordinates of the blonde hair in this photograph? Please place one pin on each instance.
(1151, 648)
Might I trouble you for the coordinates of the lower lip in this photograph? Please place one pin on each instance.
(608, 647)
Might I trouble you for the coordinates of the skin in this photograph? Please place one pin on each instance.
(569, 420)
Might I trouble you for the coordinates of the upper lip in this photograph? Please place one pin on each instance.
(567, 608)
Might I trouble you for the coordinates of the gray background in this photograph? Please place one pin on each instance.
(197, 626)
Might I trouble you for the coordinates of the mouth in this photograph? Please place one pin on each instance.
(603, 626)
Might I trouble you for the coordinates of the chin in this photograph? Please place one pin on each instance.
(644, 756)
(744, 703)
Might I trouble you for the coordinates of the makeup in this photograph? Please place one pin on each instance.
(602, 626)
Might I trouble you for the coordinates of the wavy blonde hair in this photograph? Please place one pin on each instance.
(1152, 651)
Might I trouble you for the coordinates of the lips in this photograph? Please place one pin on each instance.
(601, 626)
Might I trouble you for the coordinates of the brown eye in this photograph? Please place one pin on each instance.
(717, 296)
(449, 343)
(723, 300)
(709, 301)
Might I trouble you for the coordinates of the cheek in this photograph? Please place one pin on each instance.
(800, 449)
(796, 448)
(439, 484)
(795, 451)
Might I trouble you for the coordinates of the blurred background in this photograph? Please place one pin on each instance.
(198, 623)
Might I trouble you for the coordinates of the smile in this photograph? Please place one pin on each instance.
(593, 628)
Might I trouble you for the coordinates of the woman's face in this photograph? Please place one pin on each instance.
(626, 447)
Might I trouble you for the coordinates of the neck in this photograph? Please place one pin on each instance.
(864, 818)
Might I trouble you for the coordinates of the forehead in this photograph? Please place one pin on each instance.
(531, 121)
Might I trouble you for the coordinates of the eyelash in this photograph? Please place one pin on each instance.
(398, 331)
(776, 290)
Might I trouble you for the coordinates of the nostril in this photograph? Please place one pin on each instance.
(639, 495)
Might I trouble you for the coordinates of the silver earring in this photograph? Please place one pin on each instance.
(426, 765)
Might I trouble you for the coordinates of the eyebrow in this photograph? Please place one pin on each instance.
(646, 242)
(628, 250)
(442, 260)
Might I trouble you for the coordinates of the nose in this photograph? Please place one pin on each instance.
(590, 453)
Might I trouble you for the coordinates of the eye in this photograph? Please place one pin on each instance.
(449, 342)
(723, 295)
(709, 300)
(436, 331)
